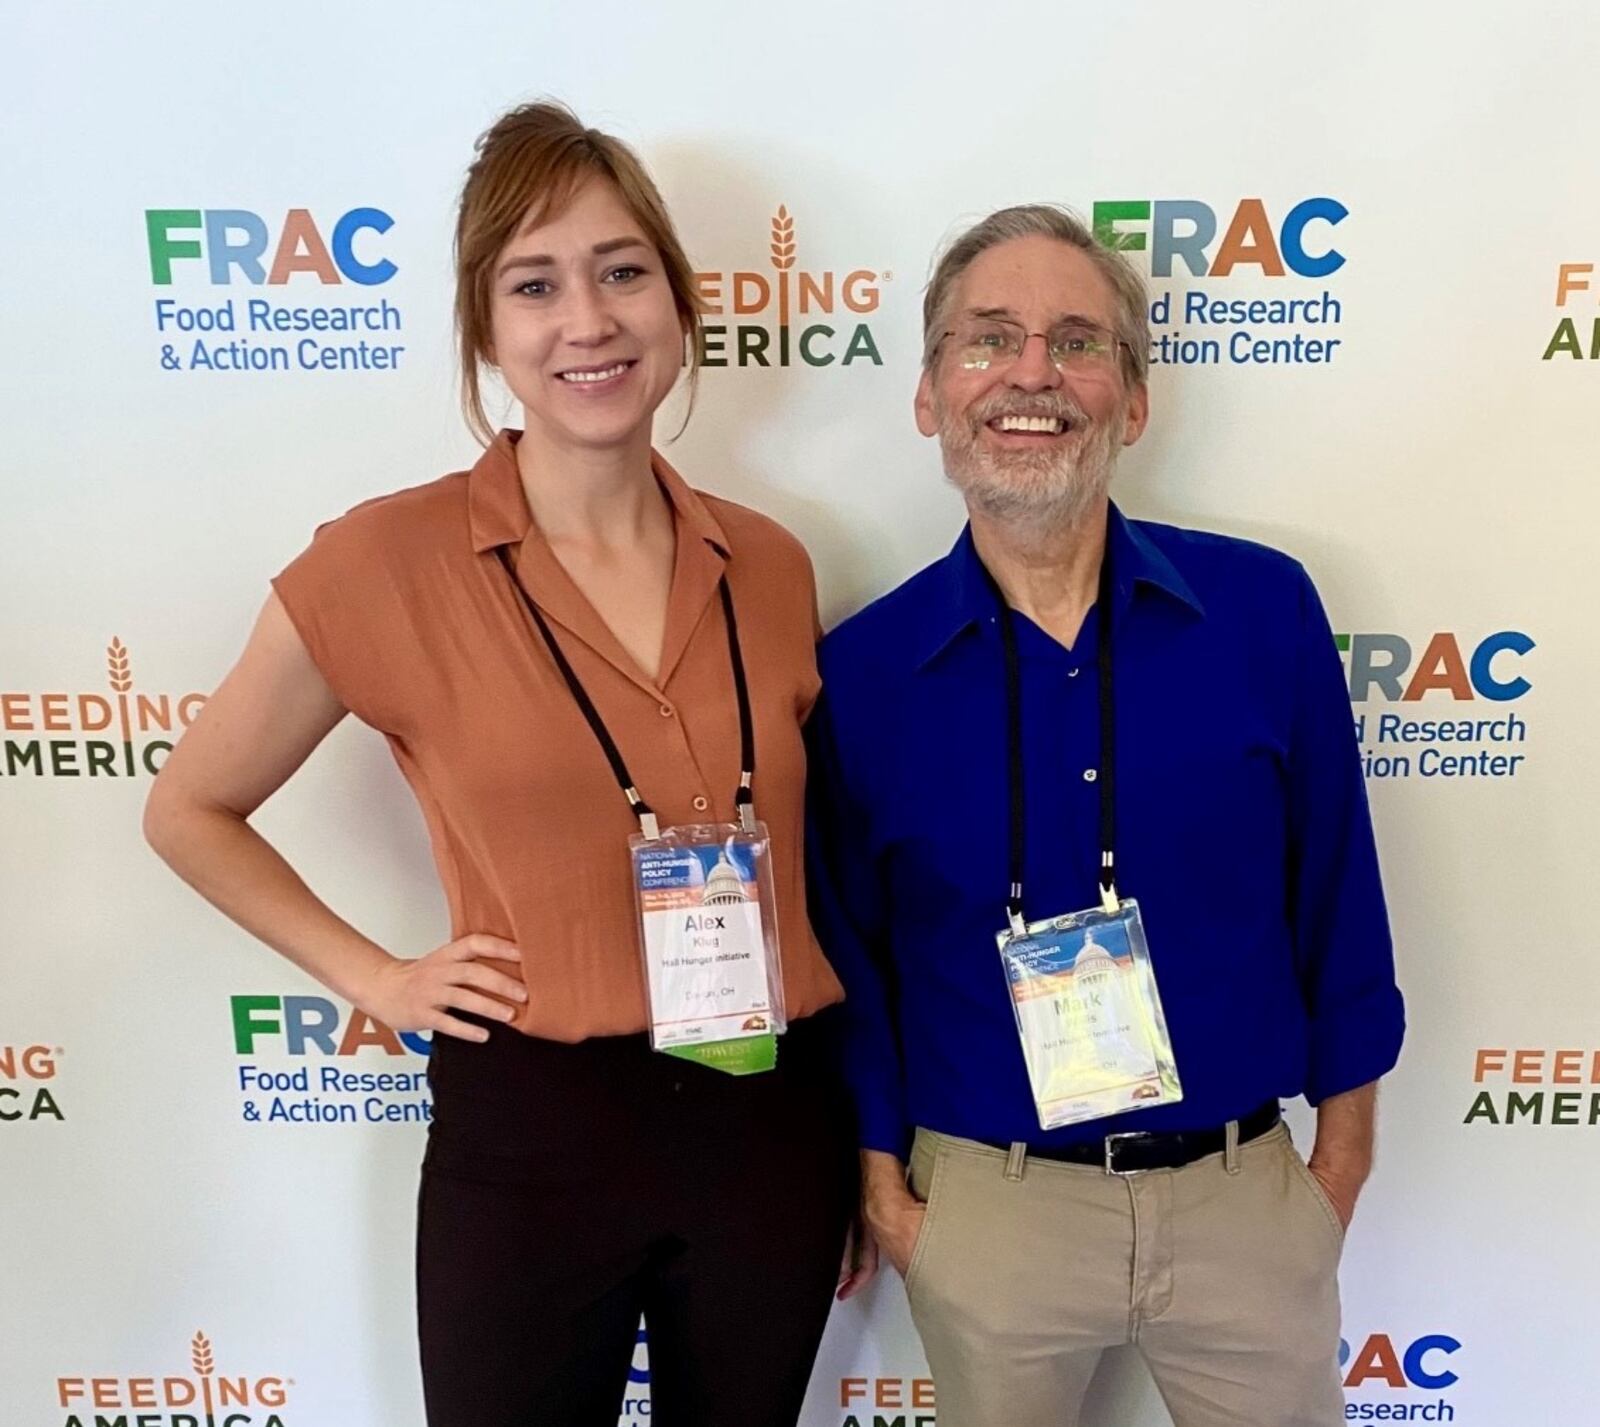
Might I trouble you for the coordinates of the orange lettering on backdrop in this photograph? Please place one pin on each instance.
(1377, 1360)
(708, 287)
(1570, 278)
(1249, 240)
(744, 283)
(1527, 1067)
(14, 713)
(363, 1030)
(56, 717)
(1440, 668)
(1568, 1067)
(814, 295)
(299, 231)
(1487, 1061)
(861, 291)
(94, 713)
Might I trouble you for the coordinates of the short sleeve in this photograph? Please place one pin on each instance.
(336, 592)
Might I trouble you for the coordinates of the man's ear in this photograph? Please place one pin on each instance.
(927, 418)
(1138, 414)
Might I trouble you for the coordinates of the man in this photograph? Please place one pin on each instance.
(964, 792)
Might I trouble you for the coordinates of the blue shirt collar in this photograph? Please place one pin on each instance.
(963, 597)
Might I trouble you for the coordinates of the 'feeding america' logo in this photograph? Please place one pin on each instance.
(132, 726)
(207, 1398)
(820, 316)
(25, 1094)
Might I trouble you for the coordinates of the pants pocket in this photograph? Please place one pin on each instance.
(1318, 1194)
(928, 1163)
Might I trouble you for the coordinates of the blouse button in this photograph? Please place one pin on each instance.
(1072, 673)
(666, 710)
(1090, 774)
(701, 804)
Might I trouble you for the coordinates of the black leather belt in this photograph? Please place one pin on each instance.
(1139, 1151)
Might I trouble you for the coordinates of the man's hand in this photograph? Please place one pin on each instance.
(1341, 1184)
(1341, 1159)
(860, 1264)
(893, 1214)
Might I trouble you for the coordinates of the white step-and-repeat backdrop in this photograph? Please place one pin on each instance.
(1373, 231)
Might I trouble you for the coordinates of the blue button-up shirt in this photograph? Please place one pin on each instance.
(1242, 831)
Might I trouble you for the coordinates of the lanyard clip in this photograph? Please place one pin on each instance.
(1014, 911)
(747, 803)
(1110, 903)
(648, 823)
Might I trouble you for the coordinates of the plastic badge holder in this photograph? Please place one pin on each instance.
(1089, 1016)
(708, 936)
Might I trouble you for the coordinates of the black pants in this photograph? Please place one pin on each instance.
(568, 1189)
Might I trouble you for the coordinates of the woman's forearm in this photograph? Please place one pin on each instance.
(243, 876)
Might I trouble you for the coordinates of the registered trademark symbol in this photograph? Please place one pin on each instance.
(888, 277)
(59, 1051)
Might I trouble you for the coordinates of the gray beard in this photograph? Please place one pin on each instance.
(1039, 490)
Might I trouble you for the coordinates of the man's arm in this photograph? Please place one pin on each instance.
(849, 913)
(1341, 1158)
(1344, 957)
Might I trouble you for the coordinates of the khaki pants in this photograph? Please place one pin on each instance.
(1224, 1273)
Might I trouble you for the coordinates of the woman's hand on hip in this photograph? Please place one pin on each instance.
(419, 994)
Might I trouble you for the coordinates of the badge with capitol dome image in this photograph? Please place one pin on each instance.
(1089, 1015)
(709, 937)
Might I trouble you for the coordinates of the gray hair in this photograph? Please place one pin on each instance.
(1045, 220)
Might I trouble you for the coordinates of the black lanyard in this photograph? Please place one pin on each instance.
(743, 798)
(1108, 731)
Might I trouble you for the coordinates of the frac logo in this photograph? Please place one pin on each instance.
(1380, 666)
(1285, 326)
(814, 311)
(132, 717)
(1186, 229)
(297, 1093)
(273, 332)
(24, 1097)
(205, 1399)
(236, 239)
(312, 1022)
(1422, 1363)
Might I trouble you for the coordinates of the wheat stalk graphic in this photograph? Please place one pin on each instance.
(118, 667)
(783, 260)
(200, 1355)
(782, 239)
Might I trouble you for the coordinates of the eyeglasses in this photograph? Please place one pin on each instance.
(989, 343)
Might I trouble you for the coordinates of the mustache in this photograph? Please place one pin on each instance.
(1055, 404)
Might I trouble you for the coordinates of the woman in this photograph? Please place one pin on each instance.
(574, 1178)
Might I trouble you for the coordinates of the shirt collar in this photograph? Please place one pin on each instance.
(497, 509)
(965, 599)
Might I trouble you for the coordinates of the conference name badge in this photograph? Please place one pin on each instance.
(1089, 1015)
(709, 937)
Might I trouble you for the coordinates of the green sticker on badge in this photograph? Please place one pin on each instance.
(744, 1056)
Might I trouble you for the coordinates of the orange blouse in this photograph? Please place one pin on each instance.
(408, 612)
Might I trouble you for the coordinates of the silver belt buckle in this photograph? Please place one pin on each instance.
(1111, 1151)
